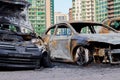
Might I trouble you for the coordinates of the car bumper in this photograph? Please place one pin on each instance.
(114, 56)
(13, 61)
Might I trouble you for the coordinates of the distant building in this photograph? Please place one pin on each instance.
(76, 9)
(41, 14)
(107, 9)
(101, 10)
(60, 17)
(70, 15)
(49, 13)
(83, 10)
(88, 10)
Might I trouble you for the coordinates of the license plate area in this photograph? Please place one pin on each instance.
(19, 55)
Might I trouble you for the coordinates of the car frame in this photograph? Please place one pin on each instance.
(112, 22)
(80, 48)
(20, 47)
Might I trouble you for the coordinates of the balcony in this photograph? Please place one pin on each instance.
(110, 15)
(110, 0)
(110, 11)
(110, 7)
(110, 3)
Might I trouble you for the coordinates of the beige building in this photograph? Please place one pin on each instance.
(49, 13)
(76, 8)
(83, 10)
(60, 17)
(89, 7)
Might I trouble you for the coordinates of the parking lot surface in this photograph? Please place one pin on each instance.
(62, 71)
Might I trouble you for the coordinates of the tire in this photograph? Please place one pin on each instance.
(83, 57)
(46, 61)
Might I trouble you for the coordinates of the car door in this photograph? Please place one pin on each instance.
(48, 35)
(60, 42)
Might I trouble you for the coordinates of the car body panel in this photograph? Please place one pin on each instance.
(112, 22)
(63, 45)
(106, 38)
(58, 45)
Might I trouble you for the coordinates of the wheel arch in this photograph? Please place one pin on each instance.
(76, 47)
(74, 51)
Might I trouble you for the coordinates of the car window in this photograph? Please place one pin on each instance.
(85, 30)
(97, 29)
(63, 31)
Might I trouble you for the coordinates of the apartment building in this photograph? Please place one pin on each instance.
(83, 10)
(107, 9)
(41, 14)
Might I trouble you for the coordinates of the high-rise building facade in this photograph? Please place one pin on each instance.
(49, 13)
(107, 9)
(88, 10)
(101, 10)
(41, 14)
(83, 10)
(76, 9)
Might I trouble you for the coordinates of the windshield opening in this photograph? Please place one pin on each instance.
(91, 28)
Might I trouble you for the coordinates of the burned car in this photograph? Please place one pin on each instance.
(19, 45)
(83, 42)
(113, 22)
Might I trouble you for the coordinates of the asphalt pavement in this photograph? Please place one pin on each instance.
(63, 71)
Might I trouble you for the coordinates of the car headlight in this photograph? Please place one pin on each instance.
(34, 40)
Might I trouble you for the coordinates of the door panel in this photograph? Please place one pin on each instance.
(60, 47)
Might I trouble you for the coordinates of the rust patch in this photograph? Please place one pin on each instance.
(99, 52)
(54, 43)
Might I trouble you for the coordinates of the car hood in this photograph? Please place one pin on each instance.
(18, 21)
(16, 14)
(113, 38)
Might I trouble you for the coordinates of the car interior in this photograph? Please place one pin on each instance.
(84, 28)
(13, 33)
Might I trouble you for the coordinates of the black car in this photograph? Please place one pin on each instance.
(19, 46)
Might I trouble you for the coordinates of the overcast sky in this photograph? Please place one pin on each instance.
(62, 5)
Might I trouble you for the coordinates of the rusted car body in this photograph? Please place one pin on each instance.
(81, 42)
(19, 46)
(113, 22)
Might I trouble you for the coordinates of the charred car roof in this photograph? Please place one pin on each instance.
(84, 23)
(16, 2)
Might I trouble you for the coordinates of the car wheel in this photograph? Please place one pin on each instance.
(83, 57)
(46, 61)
